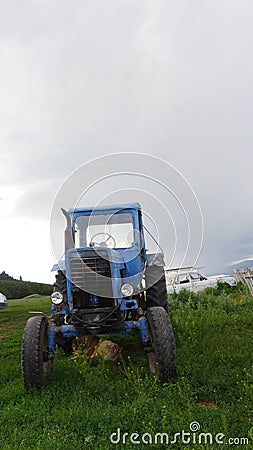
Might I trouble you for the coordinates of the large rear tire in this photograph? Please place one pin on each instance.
(156, 291)
(162, 352)
(60, 284)
(35, 355)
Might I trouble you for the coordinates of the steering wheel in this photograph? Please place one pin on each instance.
(102, 243)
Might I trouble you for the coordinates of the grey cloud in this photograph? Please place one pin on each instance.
(169, 79)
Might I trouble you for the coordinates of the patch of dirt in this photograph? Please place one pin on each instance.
(10, 323)
(207, 404)
(7, 328)
(5, 325)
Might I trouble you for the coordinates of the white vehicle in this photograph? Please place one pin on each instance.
(190, 278)
(3, 301)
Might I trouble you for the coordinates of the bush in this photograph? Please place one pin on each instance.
(184, 297)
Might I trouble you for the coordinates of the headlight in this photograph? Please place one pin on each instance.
(56, 298)
(127, 290)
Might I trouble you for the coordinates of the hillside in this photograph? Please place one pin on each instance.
(13, 288)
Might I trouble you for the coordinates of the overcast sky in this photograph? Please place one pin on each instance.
(79, 80)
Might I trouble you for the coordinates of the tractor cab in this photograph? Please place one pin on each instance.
(116, 234)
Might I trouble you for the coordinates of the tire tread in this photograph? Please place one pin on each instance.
(163, 342)
(32, 352)
(156, 292)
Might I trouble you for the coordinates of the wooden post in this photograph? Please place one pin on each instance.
(245, 276)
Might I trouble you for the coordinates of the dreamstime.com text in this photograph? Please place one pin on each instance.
(194, 436)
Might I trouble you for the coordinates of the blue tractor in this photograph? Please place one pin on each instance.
(106, 284)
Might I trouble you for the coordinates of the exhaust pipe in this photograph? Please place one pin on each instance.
(69, 237)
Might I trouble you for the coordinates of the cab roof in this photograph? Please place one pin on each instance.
(106, 208)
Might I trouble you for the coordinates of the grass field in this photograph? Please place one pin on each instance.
(85, 402)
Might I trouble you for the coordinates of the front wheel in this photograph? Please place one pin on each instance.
(162, 352)
(35, 355)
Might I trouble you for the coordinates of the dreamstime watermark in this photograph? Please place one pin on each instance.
(191, 436)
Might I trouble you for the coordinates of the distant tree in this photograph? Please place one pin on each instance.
(20, 278)
(5, 276)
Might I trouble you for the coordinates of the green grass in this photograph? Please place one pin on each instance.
(84, 402)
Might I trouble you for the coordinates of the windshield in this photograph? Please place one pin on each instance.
(104, 230)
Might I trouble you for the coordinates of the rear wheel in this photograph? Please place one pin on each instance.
(162, 351)
(35, 355)
(156, 291)
(60, 284)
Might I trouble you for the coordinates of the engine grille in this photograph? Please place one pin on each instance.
(91, 272)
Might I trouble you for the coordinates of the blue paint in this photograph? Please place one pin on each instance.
(127, 265)
(109, 209)
(51, 340)
(93, 300)
(72, 331)
(143, 327)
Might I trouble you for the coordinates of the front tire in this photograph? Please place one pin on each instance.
(162, 352)
(35, 355)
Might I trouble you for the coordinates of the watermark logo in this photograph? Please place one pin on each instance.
(170, 209)
(194, 426)
(192, 436)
